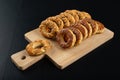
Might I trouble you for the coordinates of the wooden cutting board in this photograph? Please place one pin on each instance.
(59, 56)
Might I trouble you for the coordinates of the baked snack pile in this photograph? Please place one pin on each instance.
(52, 25)
(70, 27)
(75, 34)
(38, 47)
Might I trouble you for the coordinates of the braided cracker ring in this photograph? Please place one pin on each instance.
(78, 34)
(76, 17)
(69, 17)
(85, 15)
(38, 47)
(85, 23)
(66, 38)
(49, 29)
(94, 26)
(65, 21)
(101, 27)
(82, 29)
(78, 13)
(82, 14)
(92, 23)
(57, 20)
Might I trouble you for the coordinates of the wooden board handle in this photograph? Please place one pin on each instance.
(22, 60)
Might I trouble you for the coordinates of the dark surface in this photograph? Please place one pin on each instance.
(20, 16)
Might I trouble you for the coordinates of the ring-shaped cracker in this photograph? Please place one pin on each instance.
(76, 17)
(49, 29)
(92, 23)
(82, 29)
(82, 14)
(66, 38)
(78, 13)
(69, 17)
(38, 47)
(101, 27)
(65, 21)
(78, 34)
(85, 15)
(57, 20)
(85, 22)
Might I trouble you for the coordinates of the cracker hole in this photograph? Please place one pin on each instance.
(23, 57)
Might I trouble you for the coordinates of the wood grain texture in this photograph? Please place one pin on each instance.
(64, 57)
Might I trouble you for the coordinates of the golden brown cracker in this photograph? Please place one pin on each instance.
(49, 29)
(65, 21)
(82, 29)
(57, 20)
(76, 17)
(78, 34)
(85, 23)
(69, 17)
(66, 38)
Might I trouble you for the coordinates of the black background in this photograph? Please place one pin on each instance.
(20, 16)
